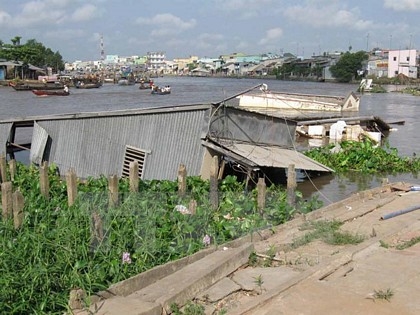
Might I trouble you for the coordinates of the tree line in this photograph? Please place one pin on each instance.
(346, 69)
(32, 52)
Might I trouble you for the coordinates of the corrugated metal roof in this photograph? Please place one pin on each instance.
(95, 144)
(267, 156)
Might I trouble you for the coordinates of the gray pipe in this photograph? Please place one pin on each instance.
(397, 213)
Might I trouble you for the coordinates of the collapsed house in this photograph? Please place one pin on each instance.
(247, 143)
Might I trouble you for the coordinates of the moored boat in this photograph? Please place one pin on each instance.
(30, 87)
(51, 92)
(265, 99)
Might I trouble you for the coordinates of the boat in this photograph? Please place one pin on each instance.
(126, 81)
(161, 91)
(51, 92)
(265, 99)
(30, 87)
(94, 85)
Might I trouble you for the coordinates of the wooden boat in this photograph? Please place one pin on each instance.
(268, 100)
(89, 85)
(50, 92)
(30, 87)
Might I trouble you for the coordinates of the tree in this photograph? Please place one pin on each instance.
(346, 67)
(32, 52)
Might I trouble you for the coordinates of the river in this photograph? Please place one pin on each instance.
(391, 107)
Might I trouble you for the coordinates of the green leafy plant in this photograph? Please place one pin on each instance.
(364, 157)
(258, 280)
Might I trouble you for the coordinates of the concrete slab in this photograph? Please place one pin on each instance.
(270, 277)
(186, 283)
(126, 306)
(219, 290)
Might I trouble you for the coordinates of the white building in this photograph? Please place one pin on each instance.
(155, 61)
(402, 62)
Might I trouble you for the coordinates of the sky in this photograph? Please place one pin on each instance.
(210, 28)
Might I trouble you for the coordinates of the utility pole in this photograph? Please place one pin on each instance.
(102, 48)
(367, 42)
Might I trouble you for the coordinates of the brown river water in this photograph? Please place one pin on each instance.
(391, 107)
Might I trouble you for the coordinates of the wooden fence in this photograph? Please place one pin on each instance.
(13, 202)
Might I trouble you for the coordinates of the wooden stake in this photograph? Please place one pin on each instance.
(6, 200)
(18, 204)
(44, 180)
(134, 176)
(71, 187)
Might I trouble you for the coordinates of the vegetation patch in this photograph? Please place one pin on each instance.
(364, 157)
(328, 232)
(92, 245)
(383, 294)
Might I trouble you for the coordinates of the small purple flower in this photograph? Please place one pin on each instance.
(126, 259)
(206, 240)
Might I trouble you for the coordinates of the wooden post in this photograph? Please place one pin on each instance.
(214, 185)
(71, 187)
(6, 200)
(261, 188)
(113, 190)
(3, 169)
(44, 180)
(18, 204)
(182, 180)
(12, 169)
(291, 185)
(134, 176)
(192, 206)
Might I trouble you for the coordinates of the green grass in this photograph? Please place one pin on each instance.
(326, 231)
(383, 295)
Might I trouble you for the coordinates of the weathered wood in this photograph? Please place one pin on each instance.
(291, 185)
(44, 180)
(113, 191)
(3, 169)
(12, 169)
(221, 169)
(6, 200)
(18, 204)
(192, 206)
(214, 184)
(182, 180)
(261, 189)
(134, 176)
(71, 187)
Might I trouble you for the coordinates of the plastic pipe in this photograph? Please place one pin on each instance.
(397, 213)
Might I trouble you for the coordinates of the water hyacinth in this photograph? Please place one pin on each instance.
(206, 240)
(126, 259)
